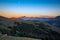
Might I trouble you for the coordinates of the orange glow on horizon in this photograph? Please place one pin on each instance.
(15, 15)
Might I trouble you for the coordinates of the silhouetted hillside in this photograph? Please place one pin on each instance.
(29, 29)
(55, 21)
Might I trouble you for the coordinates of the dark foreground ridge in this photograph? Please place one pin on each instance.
(6, 37)
(29, 29)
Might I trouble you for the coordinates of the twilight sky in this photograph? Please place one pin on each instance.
(34, 8)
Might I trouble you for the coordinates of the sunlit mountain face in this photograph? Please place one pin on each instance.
(29, 8)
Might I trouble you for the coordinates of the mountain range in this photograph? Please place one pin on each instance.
(29, 29)
(53, 21)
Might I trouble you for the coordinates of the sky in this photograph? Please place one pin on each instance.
(29, 8)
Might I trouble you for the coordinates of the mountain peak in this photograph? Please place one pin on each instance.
(2, 17)
(58, 17)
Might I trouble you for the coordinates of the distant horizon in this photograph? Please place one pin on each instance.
(32, 17)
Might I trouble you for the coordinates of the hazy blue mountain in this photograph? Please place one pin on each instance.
(55, 21)
(52, 21)
(38, 19)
